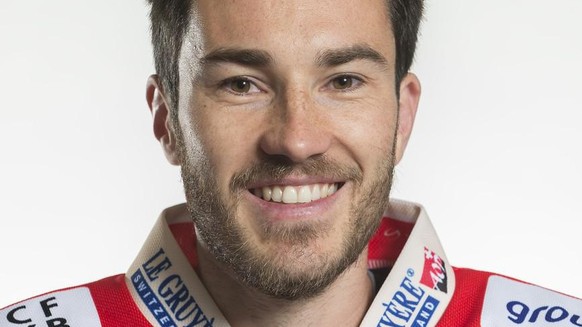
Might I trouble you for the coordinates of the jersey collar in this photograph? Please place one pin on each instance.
(168, 292)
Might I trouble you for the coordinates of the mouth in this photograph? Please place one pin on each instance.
(296, 194)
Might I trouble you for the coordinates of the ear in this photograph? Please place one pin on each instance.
(163, 129)
(408, 104)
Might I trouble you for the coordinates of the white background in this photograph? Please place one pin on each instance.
(495, 156)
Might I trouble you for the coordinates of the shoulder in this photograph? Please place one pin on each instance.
(99, 303)
(488, 299)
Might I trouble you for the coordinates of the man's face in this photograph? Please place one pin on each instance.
(286, 132)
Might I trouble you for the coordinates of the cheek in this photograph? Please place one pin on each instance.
(369, 130)
(226, 139)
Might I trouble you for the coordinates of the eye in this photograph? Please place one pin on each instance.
(240, 86)
(345, 82)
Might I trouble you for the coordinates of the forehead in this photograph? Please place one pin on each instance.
(292, 25)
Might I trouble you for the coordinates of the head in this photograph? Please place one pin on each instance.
(287, 119)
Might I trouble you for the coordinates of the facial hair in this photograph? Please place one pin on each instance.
(219, 229)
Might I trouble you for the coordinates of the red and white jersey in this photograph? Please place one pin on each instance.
(161, 287)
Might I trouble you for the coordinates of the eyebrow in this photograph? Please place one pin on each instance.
(246, 57)
(326, 58)
(340, 56)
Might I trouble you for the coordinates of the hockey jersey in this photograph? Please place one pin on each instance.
(416, 286)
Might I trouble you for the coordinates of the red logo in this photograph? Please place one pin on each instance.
(434, 274)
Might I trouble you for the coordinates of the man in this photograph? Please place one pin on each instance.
(287, 120)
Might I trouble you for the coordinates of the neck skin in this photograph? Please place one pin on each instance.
(343, 303)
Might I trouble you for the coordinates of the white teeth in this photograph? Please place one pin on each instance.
(277, 194)
(289, 195)
(266, 192)
(315, 193)
(331, 190)
(324, 188)
(304, 195)
(295, 194)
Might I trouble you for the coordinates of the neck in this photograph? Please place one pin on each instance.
(343, 303)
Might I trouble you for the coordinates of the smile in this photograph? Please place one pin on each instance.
(296, 194)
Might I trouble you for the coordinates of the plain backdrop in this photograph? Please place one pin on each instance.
(495, 156)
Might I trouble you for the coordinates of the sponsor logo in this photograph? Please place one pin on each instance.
(426, 312)
(521, 313)
(408, 300)
(151, 300)
(69, 308)
(434, 274)
(164, 292)
(511, 303)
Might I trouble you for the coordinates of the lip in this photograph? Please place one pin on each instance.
(273, 212)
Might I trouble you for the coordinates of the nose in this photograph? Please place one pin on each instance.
(298, 129)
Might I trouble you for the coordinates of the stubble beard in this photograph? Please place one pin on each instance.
(273, 273)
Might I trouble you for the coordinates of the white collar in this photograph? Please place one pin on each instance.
(168, 291)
